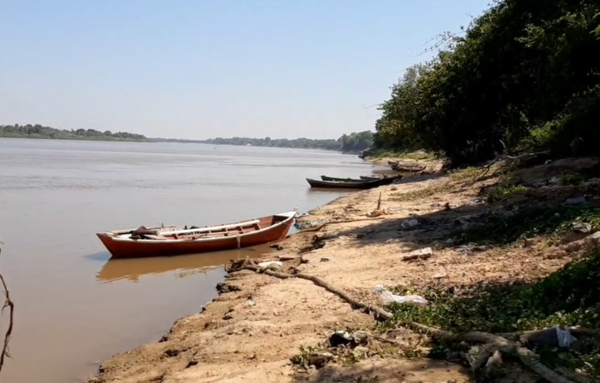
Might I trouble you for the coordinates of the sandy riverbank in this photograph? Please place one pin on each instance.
(258, 322)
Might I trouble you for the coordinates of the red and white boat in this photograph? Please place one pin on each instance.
(170, 240)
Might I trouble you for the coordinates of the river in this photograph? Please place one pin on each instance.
(74, 306)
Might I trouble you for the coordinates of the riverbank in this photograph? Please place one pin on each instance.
(418, 157)
(259, 322)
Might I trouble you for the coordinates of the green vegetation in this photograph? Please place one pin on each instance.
(354, 142)
(44, 132)
(570, 296)
(524, 76)
(504, 192)
(420, 194)
(408, 155)
(528, 221)
(470, 172)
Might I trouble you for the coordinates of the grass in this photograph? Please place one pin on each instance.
(504, 192)
(570, 296)
(464, 174)
(418, 194)
(572, 179)
(410, 155)
(540, 219)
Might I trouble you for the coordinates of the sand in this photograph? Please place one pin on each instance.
(257, 323)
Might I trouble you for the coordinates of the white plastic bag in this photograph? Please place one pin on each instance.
(386, 297)
(265, 265)
(565, 339)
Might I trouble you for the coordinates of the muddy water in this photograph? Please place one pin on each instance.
(74, 305)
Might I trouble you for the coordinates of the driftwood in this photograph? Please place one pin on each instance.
(317, 228)
(11, 307)
(492, 343)
(411, 257)
(511, 161)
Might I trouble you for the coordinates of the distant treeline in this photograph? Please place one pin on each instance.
(353, 142)
(45, 132)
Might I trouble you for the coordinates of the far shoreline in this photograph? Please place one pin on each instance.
(159, 141)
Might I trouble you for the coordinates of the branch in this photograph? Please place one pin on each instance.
(492, 343)
(11, 306)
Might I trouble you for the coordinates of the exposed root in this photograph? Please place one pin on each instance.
(251, 265)
(511, 162)
(492, 343)
(317, 228)
(11, 307)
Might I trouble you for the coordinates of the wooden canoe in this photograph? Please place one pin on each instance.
(369, 178)
(168, 241)
(407, 168)
(351, 185)
(327, 178)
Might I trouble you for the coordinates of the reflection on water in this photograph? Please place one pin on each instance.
(186, 265)
(74, 306)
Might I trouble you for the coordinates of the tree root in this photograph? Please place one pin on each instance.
(11, 308)
(492, 343)
(319, 227)
(380, 313)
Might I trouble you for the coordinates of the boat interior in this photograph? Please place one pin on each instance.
(193, 233)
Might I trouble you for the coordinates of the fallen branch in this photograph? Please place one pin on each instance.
(492, 343)
(317, 228)
(411, 257)
(250, 265)
(510, 160)
(11, 306)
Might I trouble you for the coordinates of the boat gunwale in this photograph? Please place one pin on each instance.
(289, 214)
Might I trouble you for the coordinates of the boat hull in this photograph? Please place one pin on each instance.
(407, 168)
(128, 248)
(367, 178)
(352, 185)
(327, 178)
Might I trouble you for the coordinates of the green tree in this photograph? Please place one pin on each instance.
(524, 76)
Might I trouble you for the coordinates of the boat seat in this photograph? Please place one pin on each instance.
(155, 237)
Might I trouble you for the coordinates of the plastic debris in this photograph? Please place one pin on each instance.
(340, 338)
(581, 227)
(409, 224)
(565, 338)
(304, 225)
(386, 297)
(424, 253)
(575, 200)
(266, 265)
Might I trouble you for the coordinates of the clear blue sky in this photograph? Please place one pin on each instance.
(206, 68)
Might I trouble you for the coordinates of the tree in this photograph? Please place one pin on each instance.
(523, 77)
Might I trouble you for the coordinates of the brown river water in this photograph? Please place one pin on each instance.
(74, 306)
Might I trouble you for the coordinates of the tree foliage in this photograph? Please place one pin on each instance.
(353, 142)
(525, 75)
(39, 131)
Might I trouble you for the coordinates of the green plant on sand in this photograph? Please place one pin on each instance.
(570, 296)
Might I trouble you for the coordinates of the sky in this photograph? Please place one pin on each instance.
(196, 69)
